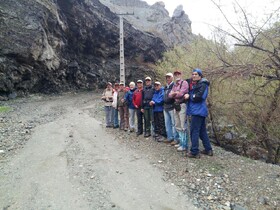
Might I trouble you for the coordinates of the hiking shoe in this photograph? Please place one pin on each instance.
(177, 145)
(181, 149)
(116, 126)
(159, 139)
(139, 133)
(147, 134)
(166, 141)
(190, 155)
(174, 142)
(209, 153)
(131, 130)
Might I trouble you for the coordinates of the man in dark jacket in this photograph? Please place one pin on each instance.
(148, 93)
(168, 112)
(197, 109)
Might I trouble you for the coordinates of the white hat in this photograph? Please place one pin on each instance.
(109, 83)
(157, 83)
(132, 83)
(148, 78)
(139, 81)
(169, 75)
(121, 83)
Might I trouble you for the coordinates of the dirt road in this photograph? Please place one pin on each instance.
(72, 162)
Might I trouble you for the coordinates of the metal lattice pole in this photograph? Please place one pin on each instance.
(122, 68)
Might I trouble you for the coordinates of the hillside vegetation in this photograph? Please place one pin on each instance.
(244, 99)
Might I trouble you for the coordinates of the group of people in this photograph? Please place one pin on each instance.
(171, 114)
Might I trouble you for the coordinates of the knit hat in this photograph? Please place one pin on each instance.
(199, 71)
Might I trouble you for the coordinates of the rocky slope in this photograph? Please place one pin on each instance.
(155, 19)
(53, 45)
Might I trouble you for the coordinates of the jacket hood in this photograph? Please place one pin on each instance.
(204, 80)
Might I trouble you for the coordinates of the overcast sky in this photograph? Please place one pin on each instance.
(204, 12)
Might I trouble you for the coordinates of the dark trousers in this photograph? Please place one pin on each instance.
(159, 124)
(198, 130)
(139, 121)
(147, 119)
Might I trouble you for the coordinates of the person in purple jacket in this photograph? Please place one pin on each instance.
(157, 104)
(178, 91)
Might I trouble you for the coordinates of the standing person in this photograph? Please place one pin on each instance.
(137, 102)
(115, 112)
(107, 97)
(198, 111)
(148, 93)
(122, 107)
(157, 104)
(131, 107)
(168, 112)
(178, 91)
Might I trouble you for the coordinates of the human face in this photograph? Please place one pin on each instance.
(121, 87)
(116, 87)
(139, 85)
(177, 76)
(169, 79)
(148, 82)
(131, 87)
(196, 76)
(157, 86)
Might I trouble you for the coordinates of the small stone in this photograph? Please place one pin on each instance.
(263, 200)
(227, 203)
(160, 161)
(2, 151)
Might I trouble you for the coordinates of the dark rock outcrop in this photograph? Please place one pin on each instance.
(55, 45)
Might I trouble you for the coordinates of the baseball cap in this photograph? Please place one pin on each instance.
(148, 78)
(139, 81)
(169, 74)
(177, 72)
(157, 83)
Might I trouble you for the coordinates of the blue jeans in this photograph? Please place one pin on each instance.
(108, 114)
(198, 130)
(115, 117)
(169, 120)
(132, 118)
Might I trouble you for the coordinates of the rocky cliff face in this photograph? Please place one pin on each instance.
(155, 19)
(53, 45)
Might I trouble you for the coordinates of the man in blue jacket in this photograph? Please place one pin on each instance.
(157, 104)
(198, 111)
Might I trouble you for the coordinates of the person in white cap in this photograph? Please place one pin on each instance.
(169, 117)
(107, 97)
(131, 107)
(122, 107)
(158, 118)
(148, 93)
